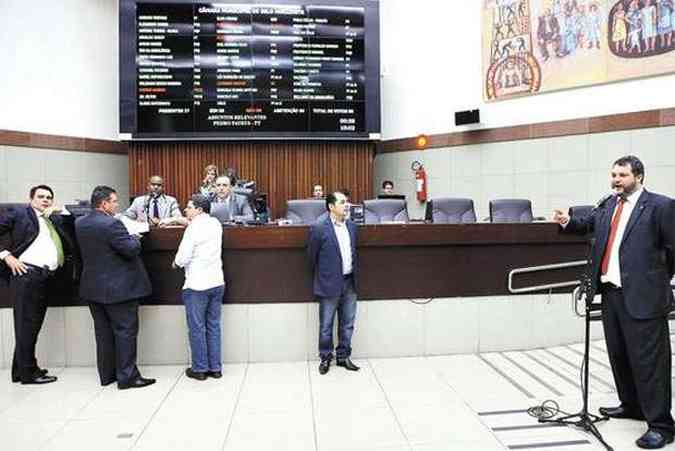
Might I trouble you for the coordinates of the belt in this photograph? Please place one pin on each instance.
(348, 276)
(610, 286)
(41, 269)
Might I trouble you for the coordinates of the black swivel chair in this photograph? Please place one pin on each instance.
(579, 211)
(306, 211)
(8, 205)
(451, 210)
(383, 210)
(511, 210)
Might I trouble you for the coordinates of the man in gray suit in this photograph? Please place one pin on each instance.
(226, 205)
(155, 207)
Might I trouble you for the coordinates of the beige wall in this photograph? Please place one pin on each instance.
(552, 172)
(383, 329)
(72, 175)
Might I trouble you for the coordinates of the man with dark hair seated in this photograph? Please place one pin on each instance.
(387, 187)
(226, 205)
(155, 207)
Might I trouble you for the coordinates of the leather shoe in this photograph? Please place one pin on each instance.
(653, 439)
(347, 364)
(324, 366)
(38, 373)
(620, 412)
(195, 375)
(139, 382)
(215, 374)
(39, 380)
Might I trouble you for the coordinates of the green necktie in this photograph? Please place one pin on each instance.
(57, 241)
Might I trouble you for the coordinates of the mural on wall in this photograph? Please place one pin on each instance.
(533, 46)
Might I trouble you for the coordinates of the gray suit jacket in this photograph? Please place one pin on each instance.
(142, 206)
(237, 206)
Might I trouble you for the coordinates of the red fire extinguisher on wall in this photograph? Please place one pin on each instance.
(420, 181)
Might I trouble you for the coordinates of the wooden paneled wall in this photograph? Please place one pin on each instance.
(283, 170)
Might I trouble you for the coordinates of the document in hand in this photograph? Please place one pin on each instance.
(134, 227)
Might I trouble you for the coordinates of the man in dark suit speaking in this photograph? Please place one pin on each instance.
(632, 265)
(32, 242)
(331, 250)
(113, 280)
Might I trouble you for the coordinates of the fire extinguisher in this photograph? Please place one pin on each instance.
(420, 181)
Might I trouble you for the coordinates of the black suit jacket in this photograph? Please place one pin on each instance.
(113, 271)
(645, 256)
(325, 259)
(19, 228)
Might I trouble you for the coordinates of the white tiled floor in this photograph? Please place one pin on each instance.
(460, 402)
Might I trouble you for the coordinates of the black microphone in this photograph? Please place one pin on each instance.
(604, 200)
(149, 195)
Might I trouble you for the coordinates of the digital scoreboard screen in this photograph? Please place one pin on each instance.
(263, 70)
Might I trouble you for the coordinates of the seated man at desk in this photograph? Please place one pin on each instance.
(317, 192)
(387, 188)
(155, 206)
(226, 205)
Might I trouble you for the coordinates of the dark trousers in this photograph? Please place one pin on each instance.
(29, 292)
(116, 329)
(345, 306)
(639, 352)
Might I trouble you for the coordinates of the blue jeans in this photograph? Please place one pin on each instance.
(345, 305)
(203, 317)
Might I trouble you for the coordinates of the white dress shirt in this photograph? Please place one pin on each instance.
(613, 275)
(42, 251)
(200, 253)
(345, 244)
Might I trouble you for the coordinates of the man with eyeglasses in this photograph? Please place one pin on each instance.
(227, 205)
(155, 207)
(32, 248)
(331, 249)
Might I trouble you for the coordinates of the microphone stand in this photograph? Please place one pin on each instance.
(585, 420)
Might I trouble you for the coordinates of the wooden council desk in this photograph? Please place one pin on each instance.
(268, 264)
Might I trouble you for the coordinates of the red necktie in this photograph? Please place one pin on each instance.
(612, 234)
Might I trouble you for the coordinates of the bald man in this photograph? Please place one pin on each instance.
(155, 206)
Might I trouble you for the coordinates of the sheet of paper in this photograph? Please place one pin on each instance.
(134, 227)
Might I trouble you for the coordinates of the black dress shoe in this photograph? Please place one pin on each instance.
(653, 439)
(215, 374)
(38, 373)
(139, 382)
(39, 380)
(106, 383)
(194, 375)
(324, 366)
(347, 364)
(620, 412)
